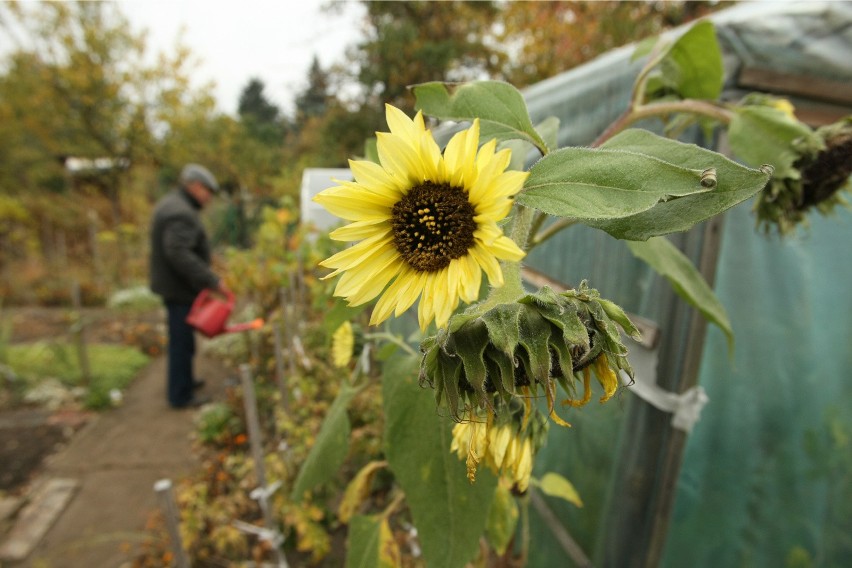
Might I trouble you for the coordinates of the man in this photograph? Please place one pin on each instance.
(180, 269)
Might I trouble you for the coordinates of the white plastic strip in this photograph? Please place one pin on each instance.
(686, 407)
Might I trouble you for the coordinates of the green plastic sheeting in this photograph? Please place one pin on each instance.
(766, 475)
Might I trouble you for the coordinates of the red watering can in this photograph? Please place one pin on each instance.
(209, 315)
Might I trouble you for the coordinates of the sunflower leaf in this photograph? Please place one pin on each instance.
(448, 511)
(371, 543)
(499, 106)
(502, 520)
(684, 277)
(605, 184)
(330, 449)
(693, 64)
(555, 485)
(735, 184)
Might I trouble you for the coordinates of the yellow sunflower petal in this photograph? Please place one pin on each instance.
(351, 256)
(488, 263)
(399, 158)
(353, 206)
(370, 278)
(361, 230)
(471, 278)
(505, 248)
(402, 126)
(409, 293)
(372, 175)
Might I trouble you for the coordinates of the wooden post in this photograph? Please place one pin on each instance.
(95, 247)
(279, 369)
(287, 323)
(256, 442)
(78, 330)
(163, 488)
(643, 484)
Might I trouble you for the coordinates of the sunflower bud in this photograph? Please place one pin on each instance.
(487, 360)
(347, 342)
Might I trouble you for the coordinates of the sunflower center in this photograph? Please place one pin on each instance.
(432, 225)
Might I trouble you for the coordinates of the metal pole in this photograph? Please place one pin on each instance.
(163, 488)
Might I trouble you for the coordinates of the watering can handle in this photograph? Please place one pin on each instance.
(205, 293)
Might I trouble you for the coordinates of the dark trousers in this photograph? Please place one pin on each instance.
(181, 351)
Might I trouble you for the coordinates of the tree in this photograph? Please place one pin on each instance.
(547, 38)
(313, 101)
(80, 85)
(261, 118)
(413, 42)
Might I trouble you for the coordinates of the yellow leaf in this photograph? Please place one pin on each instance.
(357, 490)
(555, 485)
(389, 556)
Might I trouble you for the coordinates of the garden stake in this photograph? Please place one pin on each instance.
(279, 370)
(262, 492)
(285, 317)
(79, 332)
(163, 489)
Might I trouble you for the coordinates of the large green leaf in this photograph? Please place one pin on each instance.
(694, 63)
(449, 512)
(331, 446)
(371, 543)
(735, 183)
(605, 184)
(499, 106)
(684, 277)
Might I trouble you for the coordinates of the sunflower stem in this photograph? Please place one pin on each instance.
(393, 339)
(513, 285)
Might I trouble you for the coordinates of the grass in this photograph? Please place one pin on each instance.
(112, 366)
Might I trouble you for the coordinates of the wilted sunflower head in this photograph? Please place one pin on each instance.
(425, 222)
(512, 350)
(820, 172)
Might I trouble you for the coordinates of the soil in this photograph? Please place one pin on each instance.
(28, 435)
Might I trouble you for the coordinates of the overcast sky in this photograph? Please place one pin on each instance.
(273, 40)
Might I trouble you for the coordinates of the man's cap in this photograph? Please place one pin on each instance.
(194, 172)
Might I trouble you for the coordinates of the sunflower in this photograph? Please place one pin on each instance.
(426, 222)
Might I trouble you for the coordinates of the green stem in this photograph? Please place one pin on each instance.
(689, 106)
(525, 529)
(393, 339)
(513, 285)
(552, 230)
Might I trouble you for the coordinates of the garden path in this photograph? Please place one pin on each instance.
(115, 460)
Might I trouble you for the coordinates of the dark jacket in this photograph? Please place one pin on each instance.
(180, 252)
